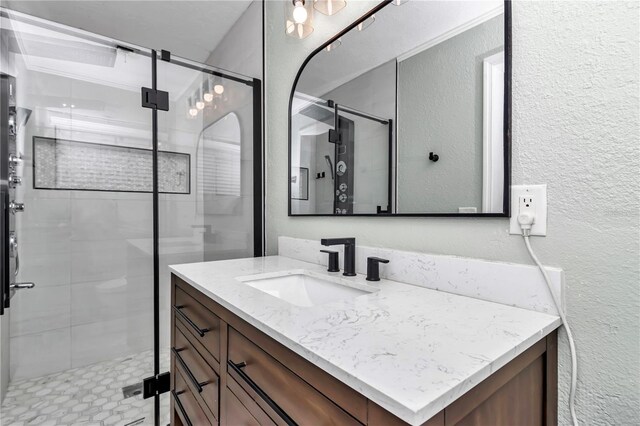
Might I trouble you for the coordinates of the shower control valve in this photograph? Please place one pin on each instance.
(13, 244)
(15, 160)
(16, 207)
(14, 180)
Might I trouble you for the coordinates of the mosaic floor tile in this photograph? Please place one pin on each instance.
(90, 395)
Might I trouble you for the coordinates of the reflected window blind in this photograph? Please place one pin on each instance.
(221, 168)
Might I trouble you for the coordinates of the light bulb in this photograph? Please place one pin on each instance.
(207, 94)
(219, 89)
(193, 111)
(199, 101)
(299, 13)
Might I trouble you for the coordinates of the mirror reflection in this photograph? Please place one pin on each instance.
(404, 114)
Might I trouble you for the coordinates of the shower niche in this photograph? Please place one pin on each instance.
(72, 165)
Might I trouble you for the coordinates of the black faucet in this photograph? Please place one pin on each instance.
(349, 253)
(373, 268)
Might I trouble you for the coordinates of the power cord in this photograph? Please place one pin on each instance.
(526, 219)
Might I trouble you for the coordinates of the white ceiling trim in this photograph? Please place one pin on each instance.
(452, 33)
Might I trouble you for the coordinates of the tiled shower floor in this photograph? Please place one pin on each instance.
(90, 395)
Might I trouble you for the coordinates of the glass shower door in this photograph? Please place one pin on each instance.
(213, 118)
(96, 322)
(81, 339)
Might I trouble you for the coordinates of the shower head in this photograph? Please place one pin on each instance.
(23, 116)
(328, 158)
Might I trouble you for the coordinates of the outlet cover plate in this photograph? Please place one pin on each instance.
(539, 193)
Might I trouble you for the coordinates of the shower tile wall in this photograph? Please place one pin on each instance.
(93, 294)
(90, 255)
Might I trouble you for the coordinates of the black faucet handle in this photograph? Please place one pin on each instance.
(333, 260)
(373, 267)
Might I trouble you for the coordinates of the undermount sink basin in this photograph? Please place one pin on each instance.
(303, 288)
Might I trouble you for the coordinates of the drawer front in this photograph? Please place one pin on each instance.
(201, 322)
(242, 410)
(199, 375)
(237, 414)
(186, 404)
(270, 382)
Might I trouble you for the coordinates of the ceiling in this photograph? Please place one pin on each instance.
(397, 30)
(190, 29)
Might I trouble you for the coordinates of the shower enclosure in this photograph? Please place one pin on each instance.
(341, 159)
(119, 161)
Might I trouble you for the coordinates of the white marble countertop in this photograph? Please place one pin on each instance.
(409, 349)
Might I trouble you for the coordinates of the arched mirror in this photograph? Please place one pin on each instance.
(406, 112)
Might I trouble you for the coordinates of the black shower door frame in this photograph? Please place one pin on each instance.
(159, 380)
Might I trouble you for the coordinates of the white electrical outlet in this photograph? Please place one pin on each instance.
(532, 199)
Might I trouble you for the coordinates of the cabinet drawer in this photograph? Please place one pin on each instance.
(201, 322)
(242, 410)
(237, 414)
(186, 405)
(270, 382)
(198, 374)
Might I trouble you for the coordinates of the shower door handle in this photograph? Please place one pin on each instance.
(20, 286)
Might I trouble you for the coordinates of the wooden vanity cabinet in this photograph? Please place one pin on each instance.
(225, 371)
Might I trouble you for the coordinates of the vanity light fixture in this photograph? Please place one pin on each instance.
(299, 18)
(199, 101)
(366, 23)
(218, 89)
(329, 7)
(193, 111)
(207, 93)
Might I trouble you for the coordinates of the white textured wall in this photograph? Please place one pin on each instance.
(575, 127)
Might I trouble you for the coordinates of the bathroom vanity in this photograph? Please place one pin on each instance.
(249, 350)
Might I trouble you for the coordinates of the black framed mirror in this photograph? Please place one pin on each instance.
(406, 112)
